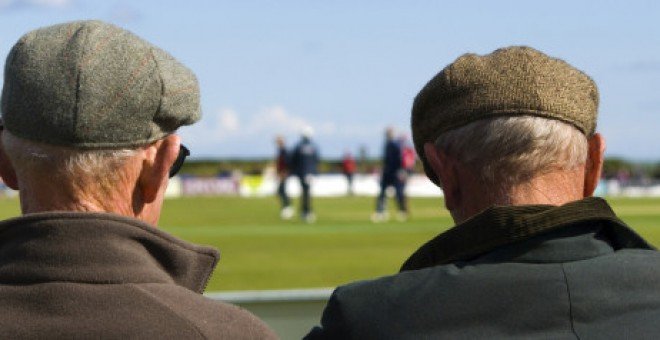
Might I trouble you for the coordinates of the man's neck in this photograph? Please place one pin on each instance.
(552, 188)
(42, 198)
(555, 188)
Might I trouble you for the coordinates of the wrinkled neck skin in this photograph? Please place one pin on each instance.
(36, 197)
(553, 188)
(123, 197)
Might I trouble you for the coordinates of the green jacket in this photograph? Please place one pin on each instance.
(569, 272)
(94, 276)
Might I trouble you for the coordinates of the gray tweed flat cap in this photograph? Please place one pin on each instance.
(92, 85)
(512, 81)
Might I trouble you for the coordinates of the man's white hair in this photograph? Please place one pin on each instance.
(507, 151)
(33, 158)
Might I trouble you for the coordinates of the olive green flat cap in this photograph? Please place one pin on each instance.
(512, 81)
(92, 85)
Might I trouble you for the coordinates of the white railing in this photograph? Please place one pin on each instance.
(291, 313)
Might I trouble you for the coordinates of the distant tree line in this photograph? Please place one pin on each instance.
(254, 166)
(620, 168)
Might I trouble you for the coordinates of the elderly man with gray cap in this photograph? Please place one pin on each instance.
(510, 138)
(89, 115)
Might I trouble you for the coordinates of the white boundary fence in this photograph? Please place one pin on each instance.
(325, 185)
(329, 185)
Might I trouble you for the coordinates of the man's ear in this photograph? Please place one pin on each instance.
(594, 164)
(444, 167)
(158, 159)
(7, 171)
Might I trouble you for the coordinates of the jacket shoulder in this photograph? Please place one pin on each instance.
(214, 319)
(361, 309)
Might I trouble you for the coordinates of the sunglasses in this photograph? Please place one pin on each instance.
(183, 153)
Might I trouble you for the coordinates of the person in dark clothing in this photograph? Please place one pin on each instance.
(304, 164)
(282, 169)
(510, 138)
(392, 175)
(88, 138)
(348, 167)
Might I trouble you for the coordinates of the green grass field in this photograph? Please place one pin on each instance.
(259, 251)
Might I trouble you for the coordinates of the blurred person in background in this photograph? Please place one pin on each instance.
(408, 160)
(282, 169)
(510, 138)
(348, 168)
(304, 164)
(89, 115)
(408, 155)
(392, 176)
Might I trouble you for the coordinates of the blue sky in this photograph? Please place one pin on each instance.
(351, 68)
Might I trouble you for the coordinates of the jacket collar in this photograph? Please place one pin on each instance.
(98, 248)
(501, 225)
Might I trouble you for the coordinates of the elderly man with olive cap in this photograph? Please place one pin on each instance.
(89, 115)
(510, 138)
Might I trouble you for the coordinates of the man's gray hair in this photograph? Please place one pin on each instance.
(507, 151)
(63, 162)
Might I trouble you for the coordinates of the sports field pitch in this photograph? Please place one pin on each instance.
(259, 251)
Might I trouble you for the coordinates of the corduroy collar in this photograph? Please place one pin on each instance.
(501, 225)
(98, 248)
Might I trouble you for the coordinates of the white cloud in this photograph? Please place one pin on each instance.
(125, 13)
(35, 3)
(272, 120)
(275, 119)
(51, 3)
(218, 126)
(228, 121)
(327, 128)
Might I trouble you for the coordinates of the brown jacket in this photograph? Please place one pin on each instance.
(92, 275)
